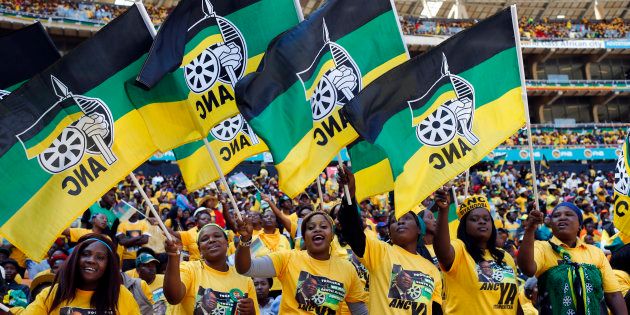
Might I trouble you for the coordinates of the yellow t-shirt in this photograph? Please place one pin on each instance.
(434, 259)
(474, 289)
(265, 244)
(156, 288)
(546, 258)
(77, 233)
(400, 282)
(312, 286)
(624, 280)
(129, 229)
(80, 304)
(208, 290)
(189, 241)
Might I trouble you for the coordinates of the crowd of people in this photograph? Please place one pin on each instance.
(558, 138)
(529, 28)
(85, 11)
(324, 255)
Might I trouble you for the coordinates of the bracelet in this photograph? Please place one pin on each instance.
(179, 252)
(245, 243)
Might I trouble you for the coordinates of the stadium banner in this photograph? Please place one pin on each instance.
(617, 44)
(203, 48)
(552, 154)
(563, 43)
(310, 73)
(439, 113)
(24, 53)
(230, 146)
(70, 134)
(621, 215)
(372, 172)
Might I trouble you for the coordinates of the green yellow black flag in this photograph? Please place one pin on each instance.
(70, 133)
(203, 48)
(309, 73)
(621, 215)
(441, 112)
(372, 172)
(24, 53)
(232, 141)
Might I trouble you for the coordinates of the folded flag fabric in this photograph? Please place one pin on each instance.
(70, 134)
(443, 111)
(232, 141)
(203, 48)
(372, 172)
(308, 74)
(24, 53)
(621, 215)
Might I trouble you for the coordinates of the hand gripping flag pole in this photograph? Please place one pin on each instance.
(519, 53)
(319, 191)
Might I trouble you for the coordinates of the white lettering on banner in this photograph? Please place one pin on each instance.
(595, 44)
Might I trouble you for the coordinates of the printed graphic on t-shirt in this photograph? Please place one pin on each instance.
(319, 295)
(133, 233)
(358, 266)
(493, 277)
(68, 310)
(211, 302)
(410, 290)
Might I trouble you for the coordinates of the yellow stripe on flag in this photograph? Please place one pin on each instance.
(491, 122)
(177, 134)
(207, 42)
(327, 66)
(129, 148)
(378, 71)
(374, 180)
(37, 149)
(438, 102)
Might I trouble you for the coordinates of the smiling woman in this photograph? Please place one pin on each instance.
(209, 285)
(88, 283)
(312, 280)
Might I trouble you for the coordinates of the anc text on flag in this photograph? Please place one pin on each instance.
(232, 141)
(443, 111)
(621, 213)
(24, 53)
(308, 74)
(199, 53)
(372, 172)
(89, 134)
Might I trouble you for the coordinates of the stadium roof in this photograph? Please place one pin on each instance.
(479, 9)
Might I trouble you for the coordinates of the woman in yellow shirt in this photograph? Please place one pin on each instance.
(269, 241)
(89, 283)
(313, 280)
(592, 280)
(209, 285)
(479, 278)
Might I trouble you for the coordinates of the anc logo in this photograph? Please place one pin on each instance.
(622, 179)
(228, 129)
(93, 133)
(333, 78)
(455, 114)
(3, 93)
(224, 61)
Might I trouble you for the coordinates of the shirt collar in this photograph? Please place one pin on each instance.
(579, 242)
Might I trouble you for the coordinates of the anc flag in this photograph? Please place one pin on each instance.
(232, 141)
(544, 163)
(24, 53)
(621, 215)
(91, 135)
(372, 172)
(199, 53)
(308, 74)
(443, 111)
(499, 160)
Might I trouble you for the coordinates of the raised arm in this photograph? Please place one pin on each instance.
(442, 243)
(174, 288)
(351, 222)
(283, 218)
(525, 258)
(243, 256)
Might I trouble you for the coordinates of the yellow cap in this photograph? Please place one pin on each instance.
(472, 203)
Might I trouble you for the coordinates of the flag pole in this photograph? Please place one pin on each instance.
(222, 177)
(151, 207)
(4, 308)
(319, 191)
(519, 54)
(146, 18)
(346, 190)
